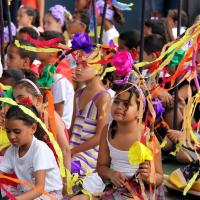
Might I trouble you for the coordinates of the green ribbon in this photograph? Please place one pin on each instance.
(47, 77)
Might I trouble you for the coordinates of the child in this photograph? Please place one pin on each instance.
(112, 14)
(38, 5)
(26, 88)
(30, 159)
(129, 41)
(90, 115)
(113, 165)
(62, 88)
(172, 19)
(55, 18)
(27, 17)
(80, 23)
(18, 57)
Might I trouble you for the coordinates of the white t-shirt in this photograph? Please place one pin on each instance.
(1, 69)
(63, 90)
(38, 157)
(111, 34)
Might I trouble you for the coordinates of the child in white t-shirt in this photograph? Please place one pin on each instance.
(29, 158)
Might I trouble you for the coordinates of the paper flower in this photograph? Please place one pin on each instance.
(82, 41)
(47, 77)
(158, 107)
(27, 101)
(139, 153)
(123, 63)
(178, 56)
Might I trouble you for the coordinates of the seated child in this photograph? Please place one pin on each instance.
(30, 159)
(116, 178)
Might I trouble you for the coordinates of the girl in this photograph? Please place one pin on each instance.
(113, 165)
(27, 89)
(112, 14)
(55, 18)
(30, 159)
(27, 17)
(90, 115)
(36, 4)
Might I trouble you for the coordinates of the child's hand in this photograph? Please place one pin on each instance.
(145, 170)
(173, 135)
(118, 179)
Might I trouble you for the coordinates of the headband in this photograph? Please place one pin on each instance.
(33, 84)
(109, 11)
(58, 12)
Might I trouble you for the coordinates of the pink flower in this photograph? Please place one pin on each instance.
(123, 63)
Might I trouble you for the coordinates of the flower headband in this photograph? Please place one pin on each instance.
(31, 83)
(58, 12)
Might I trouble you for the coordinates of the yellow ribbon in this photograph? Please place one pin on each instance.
(36, 49)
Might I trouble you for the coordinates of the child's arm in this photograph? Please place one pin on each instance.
(41, 6)
(145, 168)
(59, 108)
(103, 163)
(103, 104)
(39, 183)
(62, 141)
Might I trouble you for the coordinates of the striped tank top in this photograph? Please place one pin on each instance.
(83, 129)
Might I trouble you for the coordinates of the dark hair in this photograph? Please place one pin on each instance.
(131, 38)
(153, 43)
(131, 90)
(84, 17)
(29, 87)
(14, 112)
(23, 53)
(13, 74)
(48, 35)
(108, 77)
(30, 31)
(32, 13)
(174, 14)
(118, 16)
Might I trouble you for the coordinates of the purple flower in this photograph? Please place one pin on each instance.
(83, 42)
(158, 107)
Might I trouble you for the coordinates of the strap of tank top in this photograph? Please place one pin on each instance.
(98, 94)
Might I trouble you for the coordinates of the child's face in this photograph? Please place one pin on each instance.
(21, 92)
(19, 133)
(122, 110)
(74, 27)
(85, 71)
(13, 58)
(23, 19)
(51, 24)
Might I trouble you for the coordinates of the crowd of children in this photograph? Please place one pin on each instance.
(80, 120)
